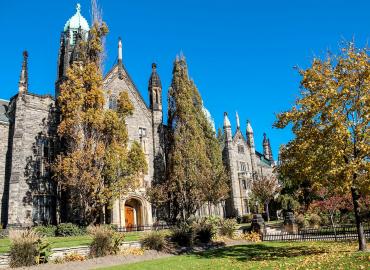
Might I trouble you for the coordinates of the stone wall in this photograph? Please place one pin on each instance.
(30, 116)
(62, 252)
(4, 131)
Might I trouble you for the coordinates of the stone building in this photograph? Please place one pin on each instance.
(244, 164)
(28, 124)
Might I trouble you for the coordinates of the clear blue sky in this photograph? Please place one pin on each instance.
(240, 54)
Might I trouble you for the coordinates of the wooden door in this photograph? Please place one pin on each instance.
(129, 218)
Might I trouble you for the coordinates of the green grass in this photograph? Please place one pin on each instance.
(309, 255)
(70, 241)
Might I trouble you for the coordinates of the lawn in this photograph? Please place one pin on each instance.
(267, 255)
(70, 241)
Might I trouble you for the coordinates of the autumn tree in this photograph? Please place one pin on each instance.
(331, 204)
(265, 189)
(330, 121)
(195, 173)
(95, 164)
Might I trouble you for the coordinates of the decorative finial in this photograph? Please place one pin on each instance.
(226, 121)
(237, 120)
(154, 66)
(119, 49)
(23, 79)
(78, 7)
(249, 127)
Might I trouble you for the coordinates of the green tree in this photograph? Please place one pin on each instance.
(94, 163)
(195, 173)
(330, 121)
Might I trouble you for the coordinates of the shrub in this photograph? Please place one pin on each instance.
(247, 218)
(74, 257)
(68, 229)
(183, 235)
(301, 221)
(27, 248)
(227, 227)
(153, 240)
(47, 231)
(105, 241)
(314, 220)
(252, 237)
(204, 230)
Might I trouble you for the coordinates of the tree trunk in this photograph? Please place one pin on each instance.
(332, 224)
(267, 211)
(360, 227)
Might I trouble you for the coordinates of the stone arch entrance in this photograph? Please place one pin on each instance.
(133, 214)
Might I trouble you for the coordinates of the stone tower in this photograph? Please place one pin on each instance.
(250, 139)
(75, 30)
(234, 207)
(155, 105)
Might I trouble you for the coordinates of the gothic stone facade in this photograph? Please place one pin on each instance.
(28, 125)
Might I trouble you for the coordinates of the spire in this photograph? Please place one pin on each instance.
(237, 121)
(154, 80)
(155, 89)
(265, 140)
(249, 128)
(23, 80)
(265, 146)
(227, 123)
(119, 50)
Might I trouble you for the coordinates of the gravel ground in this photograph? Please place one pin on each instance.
(114, 260)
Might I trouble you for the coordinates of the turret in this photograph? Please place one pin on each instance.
(23, 78)
(155, 99)
(250, 138)
(155, 90)
(227, 128)
(75, 30)
(265, 145)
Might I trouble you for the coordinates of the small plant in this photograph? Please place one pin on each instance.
(314, 220)
(74, 257)
(133, 251)
(47, 231)
(301, 221)
(153, 240)
(27, 248)
(105, 241)
(204, 230)
(247, 218)
(227, 227)
(183, 235)
(252, 237)
(68, 229)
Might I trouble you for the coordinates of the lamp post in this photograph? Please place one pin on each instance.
(223, 207)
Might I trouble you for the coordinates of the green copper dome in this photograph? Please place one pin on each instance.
(77, 21)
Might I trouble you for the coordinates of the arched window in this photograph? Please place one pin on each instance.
(113, 102)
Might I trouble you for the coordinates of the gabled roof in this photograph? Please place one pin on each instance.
(3, 108)
(115, 66)
(239, 134)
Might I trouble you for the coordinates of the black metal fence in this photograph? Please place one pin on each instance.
(340, 232)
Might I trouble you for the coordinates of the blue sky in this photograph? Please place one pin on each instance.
(240, 54)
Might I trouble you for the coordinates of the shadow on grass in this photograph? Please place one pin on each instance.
(259, 252)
